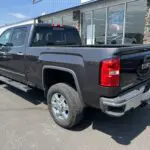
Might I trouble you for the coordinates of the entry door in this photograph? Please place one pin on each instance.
(4, 49)
(16, 65)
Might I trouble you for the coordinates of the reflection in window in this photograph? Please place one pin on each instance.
(5, 37)
(99, 21)
(135, 22)
(87, 31)
(46, 36)
(115, 24)
(18, 37)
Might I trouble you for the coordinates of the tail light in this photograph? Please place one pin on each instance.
(110, 73)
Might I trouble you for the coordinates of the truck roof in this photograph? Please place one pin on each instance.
(48, 24)
(44, 25)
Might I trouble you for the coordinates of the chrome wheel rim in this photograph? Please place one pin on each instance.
(60, 108)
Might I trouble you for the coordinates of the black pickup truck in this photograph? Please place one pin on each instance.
(112, 78)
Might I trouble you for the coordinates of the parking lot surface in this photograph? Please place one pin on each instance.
(25, 124)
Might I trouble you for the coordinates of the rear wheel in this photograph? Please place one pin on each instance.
(64, 105)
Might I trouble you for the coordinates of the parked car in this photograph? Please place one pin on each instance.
(114, 79)
(117, 39)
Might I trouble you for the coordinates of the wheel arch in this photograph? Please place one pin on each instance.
(67, 70)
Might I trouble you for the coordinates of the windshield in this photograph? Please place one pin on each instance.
(48, 36)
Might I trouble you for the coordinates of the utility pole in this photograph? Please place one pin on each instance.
(36, 1)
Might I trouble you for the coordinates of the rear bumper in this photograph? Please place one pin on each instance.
(118, 106)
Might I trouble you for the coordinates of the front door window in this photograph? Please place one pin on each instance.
(5, 37)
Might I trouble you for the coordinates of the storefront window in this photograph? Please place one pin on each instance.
(87, 29)
(135, 17)
(99, 21)
(115, 24)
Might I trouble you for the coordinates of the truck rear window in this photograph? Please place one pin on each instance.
(48, 36)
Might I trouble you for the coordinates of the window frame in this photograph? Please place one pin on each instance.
(110, 11)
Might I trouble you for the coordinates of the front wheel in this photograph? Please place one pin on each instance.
(64, 105)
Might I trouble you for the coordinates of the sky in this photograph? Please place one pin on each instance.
(12, 11)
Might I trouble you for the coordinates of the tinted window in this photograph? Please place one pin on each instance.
(87, 28)
(46, 36)
(135, 20)
(115, 24)
(99, 21)
(5, 37)
(18, 37)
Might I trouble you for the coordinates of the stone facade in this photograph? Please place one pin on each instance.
(147, 26)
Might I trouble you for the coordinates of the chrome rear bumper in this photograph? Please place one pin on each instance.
(118, 106)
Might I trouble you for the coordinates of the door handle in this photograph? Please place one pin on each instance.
(3, 54)
(20, 53)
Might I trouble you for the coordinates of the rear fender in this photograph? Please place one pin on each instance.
(45, 67)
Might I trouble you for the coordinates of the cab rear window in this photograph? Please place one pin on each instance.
(48, 36)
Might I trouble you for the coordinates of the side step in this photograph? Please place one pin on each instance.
(15, 84)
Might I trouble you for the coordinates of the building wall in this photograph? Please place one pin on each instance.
(106, 21)
(63, 18)
(114, 22)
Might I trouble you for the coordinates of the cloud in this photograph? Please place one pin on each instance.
(18, 15)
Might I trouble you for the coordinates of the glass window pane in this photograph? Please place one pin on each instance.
(115, 24)
(5, 37)
(135, 17)
(47, 36)
(18, 37)
(87, 29)
(99, 21)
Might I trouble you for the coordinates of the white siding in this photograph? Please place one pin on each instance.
(85, 1)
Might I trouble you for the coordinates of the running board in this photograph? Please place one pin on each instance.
(15, 84)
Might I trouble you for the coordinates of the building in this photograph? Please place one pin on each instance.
(51, 6)
(104, 21)
(107, 21)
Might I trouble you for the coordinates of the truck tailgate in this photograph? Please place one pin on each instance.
(135, 66)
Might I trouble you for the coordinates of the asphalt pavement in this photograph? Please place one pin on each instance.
(25, 124)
